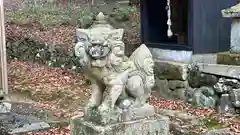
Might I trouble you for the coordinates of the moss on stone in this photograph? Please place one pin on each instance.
(165, 70)
(212, 123)
(228, 58)
(59, 123)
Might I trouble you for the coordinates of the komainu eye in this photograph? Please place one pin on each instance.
(102, 51)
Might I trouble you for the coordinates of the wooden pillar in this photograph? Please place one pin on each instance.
(3, 59)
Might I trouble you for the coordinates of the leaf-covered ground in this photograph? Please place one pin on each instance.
(63, 92)
(48, 85)
(55, 35)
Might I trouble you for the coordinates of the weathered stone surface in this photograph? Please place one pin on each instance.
(157, 125)
(177, 114)
(235, 97)
(5, 107)
(100, 51)
(225, 131)
(234, 13)
(123, 2)
(208, 80)
(189, 93)
(161, 84)
(22, 117)
(228, 58)
(204, 96)
(230, 82)
(194, 76)
(222, 88)
(178, 118)
(31, 127)
(235, 40)
(225, 104)
(180, 93)
(176, 129)
(197, 79)
(138, 113)
(18, 123)
(171, 70)
(210, 58)
(225, 85)
(171, 55)
(175, 84)
(161, 89)
(230, 71)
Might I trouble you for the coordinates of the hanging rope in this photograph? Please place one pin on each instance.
(169, 22)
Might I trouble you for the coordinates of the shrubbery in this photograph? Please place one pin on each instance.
(29, 50)
(49, 17)
(123, 13)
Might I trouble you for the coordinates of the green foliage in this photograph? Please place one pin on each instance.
(51, 16)
(212, 123)
(122, 13)
(30, 50)
(86, 18)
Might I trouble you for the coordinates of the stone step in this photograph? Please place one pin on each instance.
(228, 58)
(123, 2)
(178, 71)
(220, 70)
(171, 55)
(20, 117)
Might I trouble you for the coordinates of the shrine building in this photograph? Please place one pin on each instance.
(185, 26)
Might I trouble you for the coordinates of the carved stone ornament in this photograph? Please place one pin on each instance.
(234, 13)
(120, 85)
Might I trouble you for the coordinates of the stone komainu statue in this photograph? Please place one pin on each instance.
(119, 84)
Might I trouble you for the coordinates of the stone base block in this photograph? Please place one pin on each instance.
(171, 55)
(171, 70)
(155, 125)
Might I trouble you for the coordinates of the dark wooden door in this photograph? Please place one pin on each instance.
(211, 32)
(153, 20)
(154, 26)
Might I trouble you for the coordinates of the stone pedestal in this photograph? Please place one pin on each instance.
(155, 125)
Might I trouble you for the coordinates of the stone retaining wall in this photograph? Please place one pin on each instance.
(181, 81)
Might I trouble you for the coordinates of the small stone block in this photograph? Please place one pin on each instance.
(155, 125)
(5, 107)
(235, 97)
(228, 58)
(171, 70)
